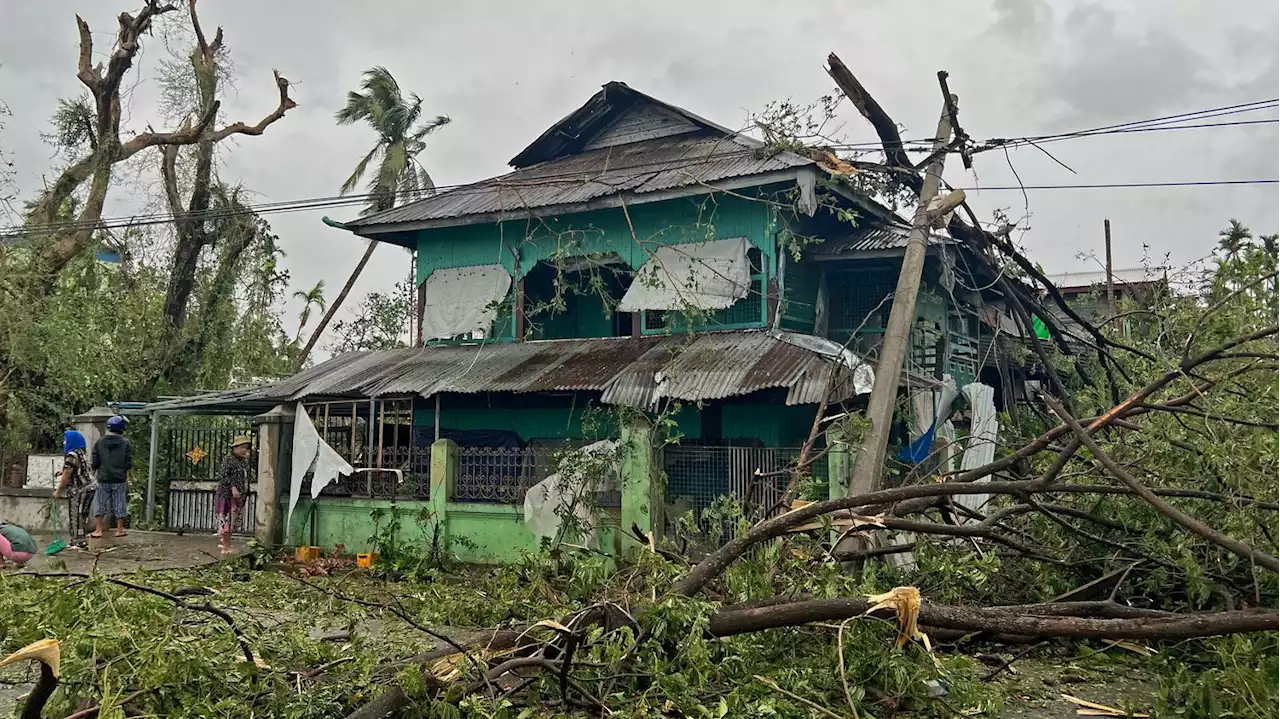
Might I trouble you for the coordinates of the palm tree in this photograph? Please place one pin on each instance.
(401, 136)
(313, 297)
(1234, 239)
(397, 174)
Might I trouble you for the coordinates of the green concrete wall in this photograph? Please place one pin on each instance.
(473, 532)
(776, 425)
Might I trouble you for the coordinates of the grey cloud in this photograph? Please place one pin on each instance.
(1105, 73)
(506, 70)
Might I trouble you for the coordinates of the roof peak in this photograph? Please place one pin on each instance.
(576, 131)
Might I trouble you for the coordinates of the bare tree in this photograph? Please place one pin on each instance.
(190, 208)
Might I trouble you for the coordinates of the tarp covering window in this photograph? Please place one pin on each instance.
(700, 275)
(462, 300)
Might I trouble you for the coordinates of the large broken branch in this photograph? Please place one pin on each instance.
(1003, 620)
(1189, 523)
(884, 125)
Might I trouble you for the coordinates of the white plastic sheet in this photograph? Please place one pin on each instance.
(984, 427)
(462, 300)
(700, 275)
(308, 450)
(329, 464)
(544, 502)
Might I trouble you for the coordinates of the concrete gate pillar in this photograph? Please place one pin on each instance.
(271, 427)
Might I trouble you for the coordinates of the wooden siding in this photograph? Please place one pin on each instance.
(641, 122)
(520, 245)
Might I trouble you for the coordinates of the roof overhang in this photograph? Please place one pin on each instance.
(385, 233)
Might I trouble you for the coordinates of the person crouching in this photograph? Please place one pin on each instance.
(16, 545)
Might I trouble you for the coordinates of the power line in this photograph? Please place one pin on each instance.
(514, 185)
(1122, 185)
(1163, 120)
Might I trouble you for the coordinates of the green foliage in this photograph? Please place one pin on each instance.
(379, 322)
(411, 558)
(94, 338)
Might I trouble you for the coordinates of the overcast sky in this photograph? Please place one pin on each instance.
(505, 71)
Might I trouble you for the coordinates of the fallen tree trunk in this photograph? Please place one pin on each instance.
(1003, 620)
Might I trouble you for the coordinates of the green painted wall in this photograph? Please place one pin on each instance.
(799, 294)
(776, 425)
(482, 533)
(528, 422)
(602, 231)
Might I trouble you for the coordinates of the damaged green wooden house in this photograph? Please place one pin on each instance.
(642, 277)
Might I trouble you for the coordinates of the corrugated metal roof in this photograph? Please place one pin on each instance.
(632, 372)
(1132, 276)
(873, 239)
(639, 167)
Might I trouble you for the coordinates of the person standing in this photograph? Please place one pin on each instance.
(112, 460)
(76, 483)
(233, 487)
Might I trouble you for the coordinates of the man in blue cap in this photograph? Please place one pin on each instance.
(112, 459)
(76, 482)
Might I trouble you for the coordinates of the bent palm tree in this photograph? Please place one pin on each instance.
(397, 174)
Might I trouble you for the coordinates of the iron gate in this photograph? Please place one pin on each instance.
(189, 456)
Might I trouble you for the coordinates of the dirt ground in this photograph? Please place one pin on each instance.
(136, 550)
(1035, 689)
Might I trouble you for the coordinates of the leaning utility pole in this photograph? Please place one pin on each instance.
(868, 470)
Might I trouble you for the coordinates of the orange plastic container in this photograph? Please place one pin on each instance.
(307, 553)
(365, 561)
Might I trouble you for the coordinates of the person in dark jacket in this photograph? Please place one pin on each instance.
(112, 460)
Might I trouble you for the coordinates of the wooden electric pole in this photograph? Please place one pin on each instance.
(868, 470)
(1111, 282)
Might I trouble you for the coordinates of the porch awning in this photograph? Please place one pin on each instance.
(462, 300)
(702, 276)
(635, 372)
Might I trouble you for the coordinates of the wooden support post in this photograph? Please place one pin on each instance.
(437, 425)
(868, 471)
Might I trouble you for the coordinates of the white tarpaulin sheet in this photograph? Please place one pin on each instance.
(310, 450)
(462, 300)
(699, 275)
(547, 501)
(981, 445)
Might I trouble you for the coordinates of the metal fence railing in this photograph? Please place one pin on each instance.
(699, 475)
(501, 474)
(191, 510)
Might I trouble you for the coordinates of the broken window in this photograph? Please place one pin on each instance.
(576, 298)
(462, 302)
